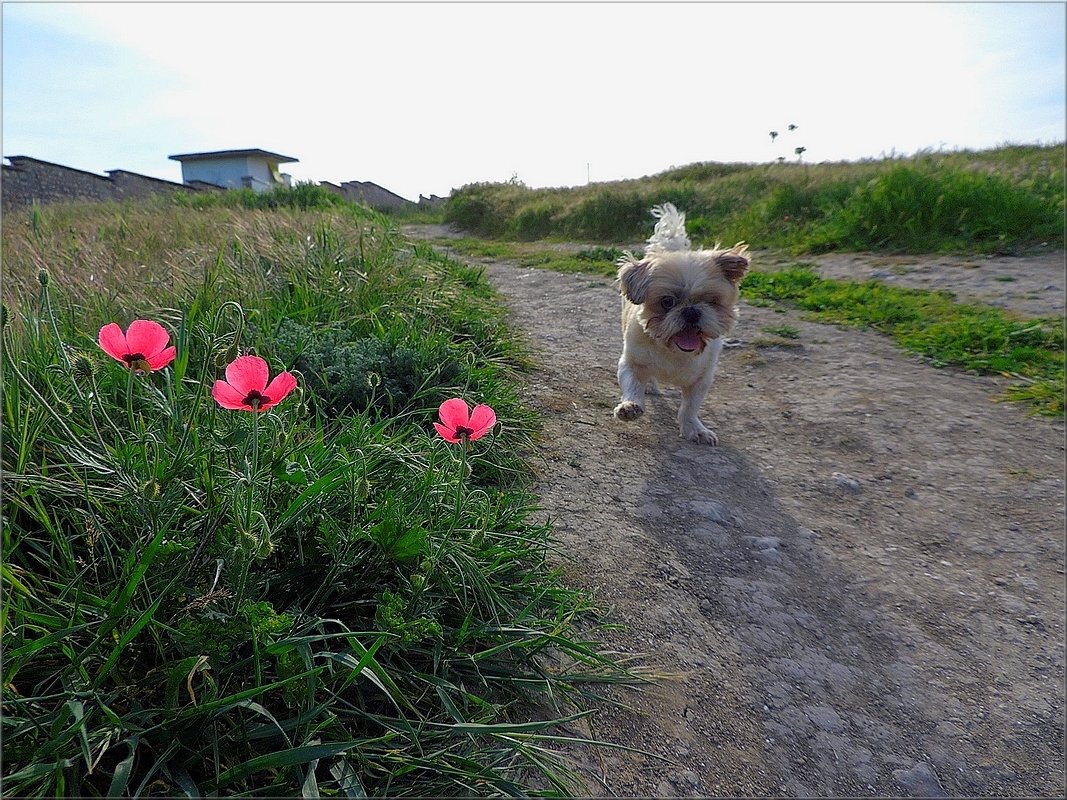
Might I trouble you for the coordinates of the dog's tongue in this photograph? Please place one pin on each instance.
(688, 340)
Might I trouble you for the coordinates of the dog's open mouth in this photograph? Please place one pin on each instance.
(688, 340)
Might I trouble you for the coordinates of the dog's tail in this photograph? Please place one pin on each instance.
(669, 233)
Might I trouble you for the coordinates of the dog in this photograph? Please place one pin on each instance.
(677, 305)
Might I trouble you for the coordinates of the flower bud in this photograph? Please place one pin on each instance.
(42, 277)
(84, 367)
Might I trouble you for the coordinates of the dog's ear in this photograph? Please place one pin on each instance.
(734, 263)
(634, 279)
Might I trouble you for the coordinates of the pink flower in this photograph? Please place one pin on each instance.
(143, 346)
(460, 424)
(246, 388)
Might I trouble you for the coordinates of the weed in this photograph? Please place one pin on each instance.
(785, 331)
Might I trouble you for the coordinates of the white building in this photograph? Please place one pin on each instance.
(235, 169)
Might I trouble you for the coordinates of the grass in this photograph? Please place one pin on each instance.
(785, 331)
(1004, 200)
(600, 260)
(325, 599)
(932, 324)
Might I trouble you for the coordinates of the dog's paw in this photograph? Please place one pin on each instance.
(697, 431)
(628, 409)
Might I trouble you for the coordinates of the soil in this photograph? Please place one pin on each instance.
(858, 592)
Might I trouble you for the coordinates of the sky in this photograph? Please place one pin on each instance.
(425, 97)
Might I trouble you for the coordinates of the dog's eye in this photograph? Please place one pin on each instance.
(667, 303)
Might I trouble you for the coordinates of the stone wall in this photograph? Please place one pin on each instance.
(134, 186)
(369, 194)
(27, 180)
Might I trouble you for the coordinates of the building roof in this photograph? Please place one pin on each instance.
(233, 154)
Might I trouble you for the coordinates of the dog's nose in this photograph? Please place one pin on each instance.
(691, 315)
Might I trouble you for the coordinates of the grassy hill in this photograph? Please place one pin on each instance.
(1002, 200)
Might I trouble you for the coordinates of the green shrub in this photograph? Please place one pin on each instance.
(382, 377)
(916, 209)
(535, 221)
(305, 196)
(607, 216)
(1001, 200)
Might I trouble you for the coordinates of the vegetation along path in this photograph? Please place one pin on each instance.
(858, 592)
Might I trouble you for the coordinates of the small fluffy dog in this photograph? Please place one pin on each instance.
(677, 305)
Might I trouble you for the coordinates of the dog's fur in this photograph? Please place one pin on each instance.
(677, 305)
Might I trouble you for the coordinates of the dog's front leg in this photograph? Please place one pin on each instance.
(632, 404)
(689, 425)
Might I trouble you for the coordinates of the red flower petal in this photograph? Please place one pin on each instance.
(146, 337)
(228, 397)
(454, 413)
(161, 360)
(113, 341)
(247, 374)
(483, 418)
(283, 383)
(447, 434)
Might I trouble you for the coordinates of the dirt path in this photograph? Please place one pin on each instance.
(860, 590)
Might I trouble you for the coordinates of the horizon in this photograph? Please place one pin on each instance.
(442, 95)
(866, 159)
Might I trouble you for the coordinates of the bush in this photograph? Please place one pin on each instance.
(915, 210)
(535, 221)
(608, 216)
(380, 377)
(1001, 200)
(303, 196)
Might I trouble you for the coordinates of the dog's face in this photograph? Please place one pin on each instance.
(686, 298)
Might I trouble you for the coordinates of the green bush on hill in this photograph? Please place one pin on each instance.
(997, 201)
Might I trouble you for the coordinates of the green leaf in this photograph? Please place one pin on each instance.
(280, 760)
(123, 769)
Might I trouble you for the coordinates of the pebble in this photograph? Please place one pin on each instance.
(919, 781)
(846, 482)
(763, 542)
(687, 778)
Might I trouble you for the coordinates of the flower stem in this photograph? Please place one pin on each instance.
(129, 398)
(459, 482)
(46, 303)
(255, 469)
